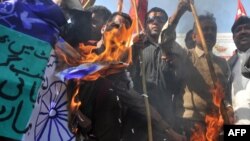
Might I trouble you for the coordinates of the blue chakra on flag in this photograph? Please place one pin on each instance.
(52, 121)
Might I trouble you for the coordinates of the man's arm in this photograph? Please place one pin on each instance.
(168, 34)
(182, 7)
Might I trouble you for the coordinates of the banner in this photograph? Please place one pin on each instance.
(22, 65)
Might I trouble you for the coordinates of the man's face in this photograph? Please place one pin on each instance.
(154, 23)
(209, 29)
(241, 37)
(117, 22)
(97, 22)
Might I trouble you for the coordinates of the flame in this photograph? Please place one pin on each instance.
(117, 52)
(116, 44)
(198, 134)
(75, 103)
(74, 106)
(67, 53)
(214, 121)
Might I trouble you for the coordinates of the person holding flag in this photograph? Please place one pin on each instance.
(77, 31)
(117, 110)
(157, 61)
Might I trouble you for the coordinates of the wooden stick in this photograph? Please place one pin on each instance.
(204, 45)
(136, 17)
(208, 59)
(141, 26)
(144, 85)
(120, 6)
(85, 5)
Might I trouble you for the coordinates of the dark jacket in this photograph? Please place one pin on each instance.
(117, 111)
(245, 70)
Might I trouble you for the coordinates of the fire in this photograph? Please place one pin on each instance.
(214, 120)
(73, 108)
(75, 103)
(67, 55)
(116, 45)
(198, 134)
(117, 52)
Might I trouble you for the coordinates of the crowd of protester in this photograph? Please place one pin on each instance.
(178, 79)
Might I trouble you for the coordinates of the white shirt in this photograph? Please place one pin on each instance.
(241, 92)
(242, 106)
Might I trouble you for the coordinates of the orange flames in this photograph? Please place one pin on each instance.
(198, 134)
(214, 121)
(116, 45)
(75, 103)
(67, 55)
(117, 53)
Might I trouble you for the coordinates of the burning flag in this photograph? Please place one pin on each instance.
(114, 55)
(240, 10)
(93, 62)
(80, 71)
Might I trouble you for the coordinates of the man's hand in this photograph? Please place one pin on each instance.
(184, 5)
(138, 44)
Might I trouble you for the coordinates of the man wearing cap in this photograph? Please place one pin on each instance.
(238, 64)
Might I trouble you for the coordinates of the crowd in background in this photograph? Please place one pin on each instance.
(179, 81)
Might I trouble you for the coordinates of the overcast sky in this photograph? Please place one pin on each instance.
(223, 10)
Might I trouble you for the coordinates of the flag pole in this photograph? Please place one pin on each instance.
(144, 86)
(85, 4)
(136, 17)
(120, 6)
(204, 45)
(208, 58)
